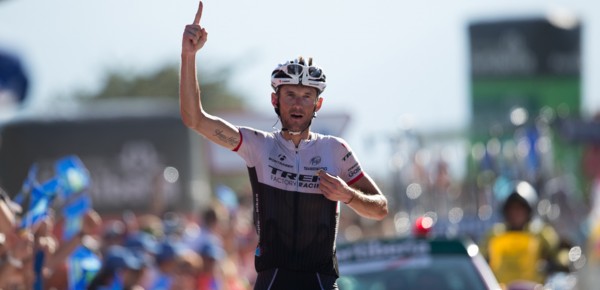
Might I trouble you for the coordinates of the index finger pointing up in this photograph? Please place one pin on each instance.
(198, 14)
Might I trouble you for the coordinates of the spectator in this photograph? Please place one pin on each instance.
(173, 225)
(212, 253)
(121, 269)
(189, 268)
(522, 247)
(113, 234)
(144, 244)
(168, 258)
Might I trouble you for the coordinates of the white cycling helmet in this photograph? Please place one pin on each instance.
(522, 192)
(297, 72)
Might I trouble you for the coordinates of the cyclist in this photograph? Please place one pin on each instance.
(523, 247)
(298, 177)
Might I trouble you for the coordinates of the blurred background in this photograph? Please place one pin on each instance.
(444, 102)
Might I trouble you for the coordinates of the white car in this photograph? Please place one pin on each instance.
(413, 263)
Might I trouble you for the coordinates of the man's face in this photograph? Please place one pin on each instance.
(296, 105)
(517, 215)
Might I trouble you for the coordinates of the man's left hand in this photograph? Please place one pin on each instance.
(334, 188)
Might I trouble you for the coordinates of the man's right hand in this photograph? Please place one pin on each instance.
(194, 36)
(193, 116)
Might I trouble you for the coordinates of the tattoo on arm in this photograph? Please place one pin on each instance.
(233, 141)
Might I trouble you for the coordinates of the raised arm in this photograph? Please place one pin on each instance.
(192, 113)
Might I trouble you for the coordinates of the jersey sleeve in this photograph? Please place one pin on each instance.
(350, 168)
(250, 139)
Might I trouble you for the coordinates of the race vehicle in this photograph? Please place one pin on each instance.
(412, 263)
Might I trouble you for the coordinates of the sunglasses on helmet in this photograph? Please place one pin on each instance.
(298, 69)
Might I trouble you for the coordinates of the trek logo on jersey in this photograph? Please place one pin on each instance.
(293, 179)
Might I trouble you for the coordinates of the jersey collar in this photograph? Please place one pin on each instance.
(312, 137)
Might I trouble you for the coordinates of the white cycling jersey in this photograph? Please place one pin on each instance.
(297, 226)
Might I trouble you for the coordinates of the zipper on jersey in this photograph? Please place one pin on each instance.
(296, 199)
(297, 163)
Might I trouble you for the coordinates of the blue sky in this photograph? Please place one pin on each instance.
(385, 60)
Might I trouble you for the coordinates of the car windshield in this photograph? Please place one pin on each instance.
(444, 272)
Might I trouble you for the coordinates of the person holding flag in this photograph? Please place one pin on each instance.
(36, 254)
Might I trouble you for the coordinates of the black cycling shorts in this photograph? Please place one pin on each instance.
(279, 279)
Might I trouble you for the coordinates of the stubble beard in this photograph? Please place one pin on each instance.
(294, 125)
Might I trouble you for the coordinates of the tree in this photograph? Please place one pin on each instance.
(164, 83)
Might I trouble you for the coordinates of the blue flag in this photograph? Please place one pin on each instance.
(29, 183)
(73, 175)
(83, 266)
(75, 180)
(73, 212)
(39, 203)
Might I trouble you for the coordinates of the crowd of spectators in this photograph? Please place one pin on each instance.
(212, 249)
